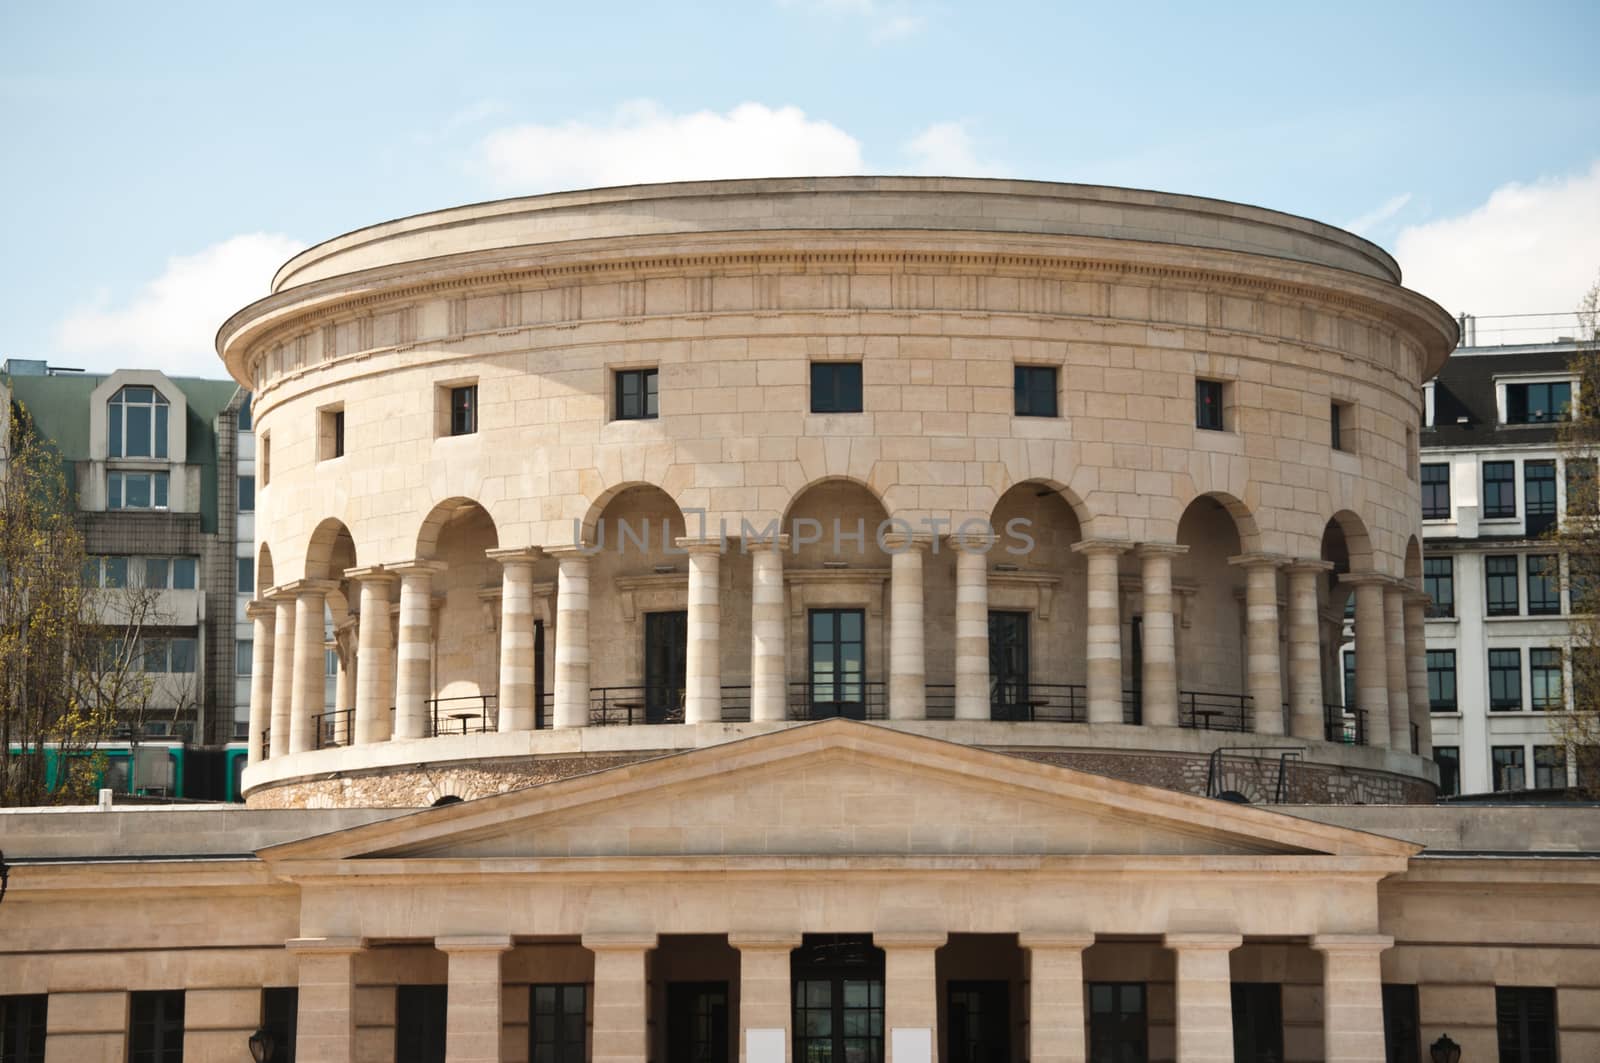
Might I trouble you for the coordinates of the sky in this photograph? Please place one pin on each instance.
(164, 159)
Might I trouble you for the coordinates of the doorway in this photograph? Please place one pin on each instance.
(697, 1022)
(838, 653)
(837, 982)
(978, 1016)
(1008, 666)
(666, 653)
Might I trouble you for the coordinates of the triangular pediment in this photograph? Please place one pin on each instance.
(838, 788)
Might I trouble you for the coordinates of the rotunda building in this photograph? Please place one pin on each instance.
(1083, 475)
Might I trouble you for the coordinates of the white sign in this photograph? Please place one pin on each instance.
(763, 1046)
(911, 1044)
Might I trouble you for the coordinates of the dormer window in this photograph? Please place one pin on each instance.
(138, 423)
(1536, 401)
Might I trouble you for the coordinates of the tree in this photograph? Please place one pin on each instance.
(1578, 535)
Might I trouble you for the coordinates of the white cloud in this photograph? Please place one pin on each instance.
(643, 142)
(945, 149)
(885, 20)
(1379, 214)
(1530, 249)
(171, 322)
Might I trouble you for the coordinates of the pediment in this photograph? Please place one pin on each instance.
(844, 789)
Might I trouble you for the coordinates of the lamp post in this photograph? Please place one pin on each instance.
(1445, 1050)
(262, 1044)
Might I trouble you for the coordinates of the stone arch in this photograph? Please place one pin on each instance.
(441, 516)
(1413, 568)
(1209, 593)
(264, 576)
(1043, 485)
(822, 481)
(1042, 579)
(1244, 521)
(457, 534)
(604, 501)
(1346, 543)
(330, 551)
(840, 506)
(637, 570)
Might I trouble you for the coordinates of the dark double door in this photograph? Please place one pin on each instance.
(666, 654)
(1009, 695)
(697, 1022)
(838, 654)
(978, 1022)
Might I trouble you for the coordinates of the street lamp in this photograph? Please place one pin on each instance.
(1445, 1050)
(262, 1044)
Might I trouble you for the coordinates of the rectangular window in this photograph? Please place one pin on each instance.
(1507, 763)
(266, 460)
(338, 433)
(184, 571)
(1500, 584)
(1544, 677)
(1525, 1020)
(464, 410)
(1439, 580)
(1402, 1031)
(1436, 491)
(155, 573)
(556, 1024)
(155, 1033)
(1549, 767)
(246, 419)
(1339, 425)
(1442, 680)
(136, 490)
(1208, 405)
(1499, 489)
(247, 494)
(280, 1014)
(1449, 760)
(1538, 403)
(1349, 679)
(1118, 1021)
(1505, 680)
(835, 387)
(1581, 486)
(1035, 388)
(245, 575)
(22, 1026)
(1539, 496)
(638, 395)
(244, 657)
(1544, 585)
(184, 654)
(419, 1023)
(330, 433)
(116, 572)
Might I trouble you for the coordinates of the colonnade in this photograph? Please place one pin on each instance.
(1352, 998)
(287, 691)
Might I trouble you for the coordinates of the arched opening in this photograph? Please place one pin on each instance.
(457, 533)
(1345, 545)
(329, 552)
(1208, 599)
(447, 799)
(264, 577)
(1414, 562)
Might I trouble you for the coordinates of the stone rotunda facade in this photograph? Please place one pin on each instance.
(1082, 474)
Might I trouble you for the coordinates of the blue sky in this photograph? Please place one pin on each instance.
(164, 158)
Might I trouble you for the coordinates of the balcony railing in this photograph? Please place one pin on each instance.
(645, 703)
(1348, 726)
(466, 714)
(1208, 711)
(334, 729)
(854, 699)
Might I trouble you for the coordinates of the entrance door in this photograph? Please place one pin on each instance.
(1257, 1022)
(539, 720)
(838, 663)
(978, 1015)
(697, 1022)
(1008, 666)
(666, 651)
(1136, 639)
(837, 982)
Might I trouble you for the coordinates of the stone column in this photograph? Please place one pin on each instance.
(1263, 670)
(1416, 606)
(374, 654)
(703, 661)
(1159, 679)
(310, 662)
(1204, 987)
(1394, 629)
(621, 996)
(261, 616)
(216, 1021)
(1372, 656)
(88, 1027)
(1104, 629)
(1305, 650)
(908, 666)
(1056, 1024)
(765, 1007)
(326, 1024)
(515, 698)
(1352, 996)
(572, 639)
(282, 670)
(910, 986)
(972, 625)
(473, 994)
(414, 654)
(769, 628)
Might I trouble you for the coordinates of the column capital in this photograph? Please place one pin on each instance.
(909, 939)
(1258, 560)
(1055, 939)
(302, 587)
(1352, 943)
(900, 542)
(695, 544)
(619, 940)
(1110, 547)
(972, 542)
(371, 574)
(418, 567)
(571, 552)
(515, 555)
(1202, 940)
(1144, 550)
(260, 609)
(765, 939)
(772, 543)
(473, 943)
(1366, 579)
(329, 946)
(1308, 564)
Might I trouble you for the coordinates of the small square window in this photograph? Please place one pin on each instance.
(835, 387)
(330, 437)
(637, 395)
(1208, 395)
(464, 410)
(1036, 391)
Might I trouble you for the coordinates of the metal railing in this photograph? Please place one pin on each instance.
(736, 703)
(1347, 726)
(1248, 765)
(334, 729)
(854, 699)
(465, 714)
(941, 701)
(644, 703)
(1208, 711)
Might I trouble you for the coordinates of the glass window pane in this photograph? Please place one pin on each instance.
(183, 655)
(116, 572)
(114, 491)
(138, 439)
(245, 575)
(161, 431)
(115, 432)
(247, 494)
(183, 573)
(136, 490)
(244, 657)
(155, 573)
(161, 490)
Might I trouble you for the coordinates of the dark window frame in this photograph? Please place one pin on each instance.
(1501, 577)
(566, 1044)
(836, 387)
(1538, 402)
(1544, 584)
(463, 408)
(1549, 767)
(1526, 1024)
(421, 1014)
(247, 494)
(1442, 664)
(1435, 491)
(1505, 680)
(1441, 586)
(155, 1026)
(1538, 497)
(280, 1016)
(1544, 662)
(1402, 1027)
(1499, 490)
(1501, 768)
(1036, 390)
(1210, 402)
(24, 1017)
(1448, 758)
(636, 394)
(1121, 1029)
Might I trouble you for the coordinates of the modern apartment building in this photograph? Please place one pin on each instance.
(1494, 482)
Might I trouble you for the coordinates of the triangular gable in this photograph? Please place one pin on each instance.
(839, 787)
